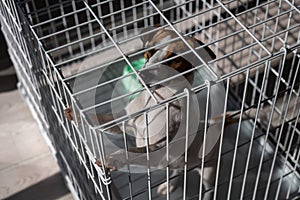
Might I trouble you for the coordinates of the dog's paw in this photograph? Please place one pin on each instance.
(163, 188)
(264, 118)
(114, 161)
(111, 164)
(68, 112)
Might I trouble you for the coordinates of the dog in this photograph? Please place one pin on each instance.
(164, 47)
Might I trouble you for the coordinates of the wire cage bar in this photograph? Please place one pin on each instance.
(87, 55)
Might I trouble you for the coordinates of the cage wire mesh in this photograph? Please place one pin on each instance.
(89, 55)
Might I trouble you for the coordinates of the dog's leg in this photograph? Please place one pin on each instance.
(177, 170)
(172, 183)
(208, 174)
(208, 179)
(232, 117)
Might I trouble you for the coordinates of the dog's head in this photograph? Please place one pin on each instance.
(166, 48)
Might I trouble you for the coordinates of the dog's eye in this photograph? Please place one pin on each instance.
(149, 53)
(177, 60)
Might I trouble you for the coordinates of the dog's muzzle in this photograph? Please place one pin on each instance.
(157, 74)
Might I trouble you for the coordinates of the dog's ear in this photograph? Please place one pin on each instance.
(151, 31)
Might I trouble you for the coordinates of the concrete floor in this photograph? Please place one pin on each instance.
(27, 168)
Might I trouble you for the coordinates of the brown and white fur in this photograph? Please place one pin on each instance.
(156, 129)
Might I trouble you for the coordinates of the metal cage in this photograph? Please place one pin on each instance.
(76, 53)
